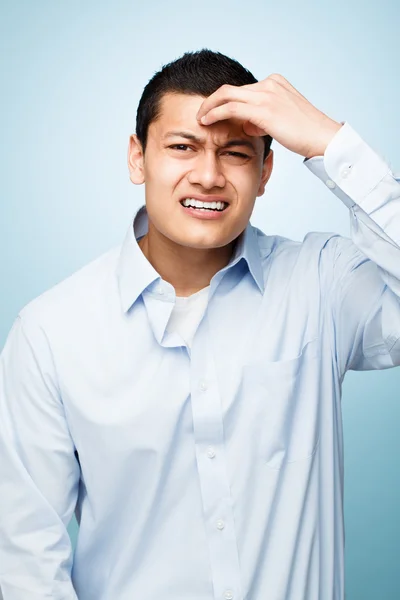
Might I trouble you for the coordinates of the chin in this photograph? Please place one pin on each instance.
(201, 244)
(202, 240)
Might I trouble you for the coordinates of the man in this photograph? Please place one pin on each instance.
(182, 392)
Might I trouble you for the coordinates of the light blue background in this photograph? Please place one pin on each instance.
(74, 72)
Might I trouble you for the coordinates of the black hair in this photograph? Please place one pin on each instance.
(196, 73)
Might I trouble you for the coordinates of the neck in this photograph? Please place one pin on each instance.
(188, 270)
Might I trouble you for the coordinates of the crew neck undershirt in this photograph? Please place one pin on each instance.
(187, 314)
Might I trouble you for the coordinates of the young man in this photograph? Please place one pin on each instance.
(182, 392)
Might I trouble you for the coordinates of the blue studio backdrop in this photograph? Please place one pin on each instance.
(73, 73)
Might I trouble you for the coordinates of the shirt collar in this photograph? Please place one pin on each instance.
(135, 273)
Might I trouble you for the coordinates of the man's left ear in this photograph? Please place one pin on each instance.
(266, 172)
(135, 160)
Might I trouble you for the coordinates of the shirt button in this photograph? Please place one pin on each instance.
(345, 172)
(228, 595)
(331, 184)
(203, 386)
(220, 524)
(210, 452)
(160, 291)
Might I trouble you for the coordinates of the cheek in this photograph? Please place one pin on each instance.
(165, 173)
(246, 182)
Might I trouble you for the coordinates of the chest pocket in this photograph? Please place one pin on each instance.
(286, 397)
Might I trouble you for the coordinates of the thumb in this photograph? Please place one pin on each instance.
(250, 129)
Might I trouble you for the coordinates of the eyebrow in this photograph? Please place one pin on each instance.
(194, 138)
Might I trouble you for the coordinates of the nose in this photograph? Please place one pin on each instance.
(207, 171)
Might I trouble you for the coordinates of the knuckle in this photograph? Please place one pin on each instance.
(271, 84)
(225, 88)
(275, 81)
(233, 108)
(277, 77)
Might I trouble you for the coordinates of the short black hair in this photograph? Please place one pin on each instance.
(196, 73)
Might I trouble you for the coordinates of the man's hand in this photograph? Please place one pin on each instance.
(272, 107)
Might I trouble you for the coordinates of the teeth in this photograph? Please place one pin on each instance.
(203, 205)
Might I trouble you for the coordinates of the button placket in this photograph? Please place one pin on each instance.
(207, 410)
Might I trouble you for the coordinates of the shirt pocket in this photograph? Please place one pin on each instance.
(285, 395)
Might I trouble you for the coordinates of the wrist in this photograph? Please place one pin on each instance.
(329, 133)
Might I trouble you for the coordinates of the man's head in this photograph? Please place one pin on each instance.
(178, 158)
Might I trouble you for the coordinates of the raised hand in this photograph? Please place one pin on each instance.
(272, 107)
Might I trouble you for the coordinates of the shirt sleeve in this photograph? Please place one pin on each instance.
(39, 472)
(365, 270)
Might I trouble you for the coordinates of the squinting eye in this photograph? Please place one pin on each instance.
(239, 154)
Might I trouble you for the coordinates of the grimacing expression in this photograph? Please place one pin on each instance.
(184, 159)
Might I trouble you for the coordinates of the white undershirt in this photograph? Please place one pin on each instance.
(187, 314)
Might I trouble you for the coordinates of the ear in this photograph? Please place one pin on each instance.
(266, 172)
(135, 160)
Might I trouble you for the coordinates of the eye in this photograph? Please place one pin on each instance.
(181, 147)
(239, 154)
(235, 158)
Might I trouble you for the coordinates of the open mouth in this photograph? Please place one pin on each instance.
(219, 206)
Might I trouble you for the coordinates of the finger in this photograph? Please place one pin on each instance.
(273, 83)
(252, 130)
(251, 86)
(274, 78)
(285, 83)
(238, 110)
(229, 93)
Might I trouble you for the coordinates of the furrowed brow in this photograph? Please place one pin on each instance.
(229, 144)
(240, 142)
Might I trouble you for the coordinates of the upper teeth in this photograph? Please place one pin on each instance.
(199, 204)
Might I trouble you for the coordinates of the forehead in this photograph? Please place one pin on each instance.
(178, 112)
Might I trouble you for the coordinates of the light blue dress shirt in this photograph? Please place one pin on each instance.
(209, 474)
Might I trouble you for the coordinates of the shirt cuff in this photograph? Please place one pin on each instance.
(350, 165)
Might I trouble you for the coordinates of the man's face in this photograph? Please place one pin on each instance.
(184, 159)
